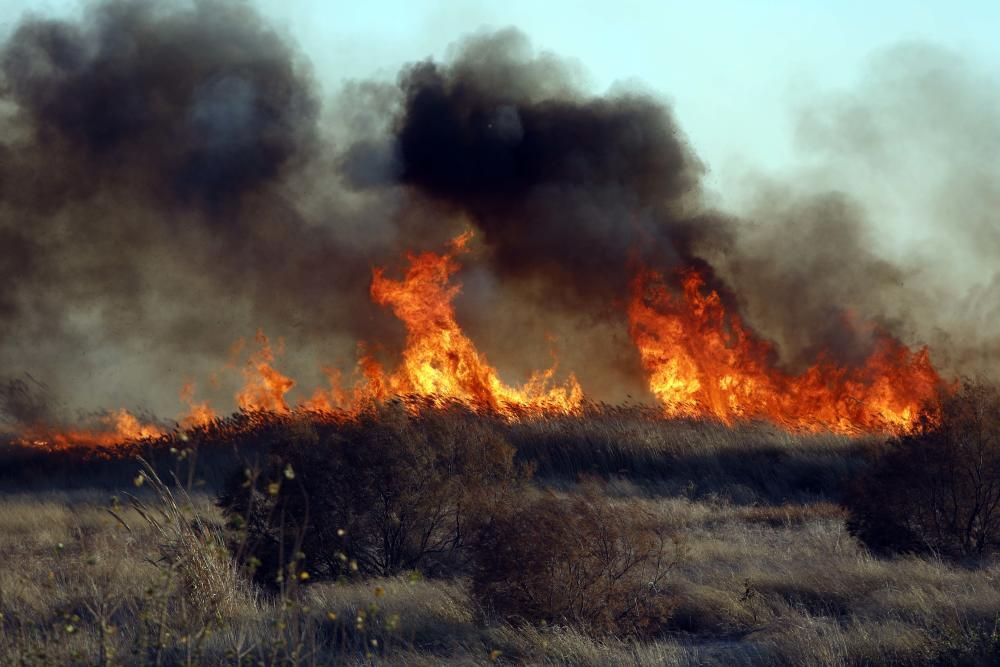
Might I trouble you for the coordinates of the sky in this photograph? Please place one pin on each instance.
(735, 71)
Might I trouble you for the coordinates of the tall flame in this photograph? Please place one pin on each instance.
(703, 362)
(439, 360)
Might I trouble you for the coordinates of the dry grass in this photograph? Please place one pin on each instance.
(799, 592)
(770, 577)
(747, 463)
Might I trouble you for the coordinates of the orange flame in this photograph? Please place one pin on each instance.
(439, 361)
(703, 362)
(265, 386)
(119, 427)
(198, 414)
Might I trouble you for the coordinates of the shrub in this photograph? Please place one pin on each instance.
(390, 491)
(576, 562)
(937, 489)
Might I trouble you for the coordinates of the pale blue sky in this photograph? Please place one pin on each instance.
(735, 71)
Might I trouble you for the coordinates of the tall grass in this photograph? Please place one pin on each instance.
(129, 562)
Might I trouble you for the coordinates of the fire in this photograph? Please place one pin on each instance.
(265, 386)
(127, 427)
(439, 361)
(116, 428)
(703, 362)
(199, 414)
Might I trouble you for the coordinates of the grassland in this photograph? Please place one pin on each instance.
(770, 575)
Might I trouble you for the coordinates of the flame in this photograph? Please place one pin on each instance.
(703, 362)
(198, 414)
(117, 428)
(265, 386)
(439, 361)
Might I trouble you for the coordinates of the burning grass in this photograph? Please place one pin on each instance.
(420, 507)
(703, 362)
(749, 462)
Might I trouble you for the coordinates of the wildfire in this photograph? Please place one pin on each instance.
(115, 428)
(703, 362)
(199, 413)
(265, 386)
(439, 361)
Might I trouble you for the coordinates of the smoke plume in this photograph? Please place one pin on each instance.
(171, 180)
(890, 215)
(569, 187)
(158, 199)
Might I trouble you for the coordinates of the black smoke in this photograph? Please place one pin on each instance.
(171, 179)
(198, 106)
(566, 186)
(573, 191)
(161, 173)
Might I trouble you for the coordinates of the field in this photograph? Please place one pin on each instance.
(104, 564)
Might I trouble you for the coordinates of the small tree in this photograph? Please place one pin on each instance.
(938, 488)
(578, 562)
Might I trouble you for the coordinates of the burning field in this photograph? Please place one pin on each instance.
(187, 240)
(702, 363)
(477, 334)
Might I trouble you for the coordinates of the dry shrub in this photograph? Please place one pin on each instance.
(578, 562)
(390, 491)
(192, 550)
(937, 489)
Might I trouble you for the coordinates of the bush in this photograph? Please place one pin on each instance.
(937, 489)
(390, 491)
(576, 562)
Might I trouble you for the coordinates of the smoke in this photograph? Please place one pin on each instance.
(573, 192)
(564, 186)
(160, 177)
(886, 227)
(809, 277)
(196, 107)
(890, 214)
(171, 180)
(25, 403)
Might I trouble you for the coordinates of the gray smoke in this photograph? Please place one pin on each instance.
(893, 215)
(170, 180)
(161, 172)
